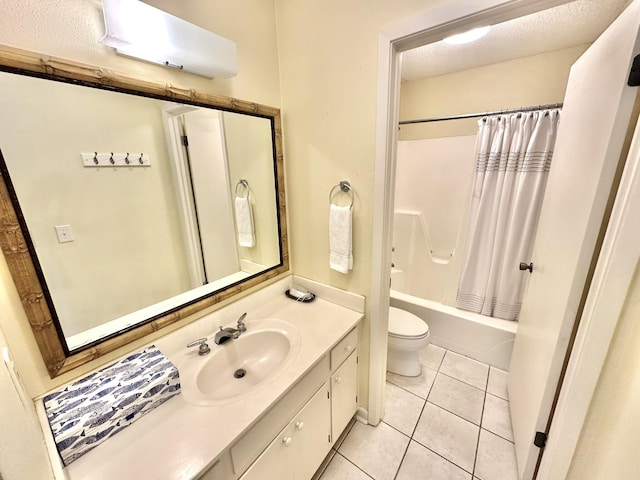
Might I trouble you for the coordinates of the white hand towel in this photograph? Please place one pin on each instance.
(340, 250)
(244, 222)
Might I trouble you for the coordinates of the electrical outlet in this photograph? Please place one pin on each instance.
(64, 233)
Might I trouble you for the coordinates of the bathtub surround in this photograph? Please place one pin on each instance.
(513, 158)
(429, 239)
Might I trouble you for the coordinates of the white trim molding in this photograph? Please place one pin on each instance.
(611, 282)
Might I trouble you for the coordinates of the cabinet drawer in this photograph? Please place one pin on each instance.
(247, 449)
(344, 348)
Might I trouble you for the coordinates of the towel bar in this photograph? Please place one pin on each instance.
(242, 183)
(346, 188)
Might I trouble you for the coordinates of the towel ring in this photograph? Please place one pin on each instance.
(243, 183)
(346, 188)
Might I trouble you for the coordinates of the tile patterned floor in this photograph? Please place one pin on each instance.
(452, 422)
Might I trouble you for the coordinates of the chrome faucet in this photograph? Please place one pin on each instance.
(241, 326)
(229, 333)
(201, 343)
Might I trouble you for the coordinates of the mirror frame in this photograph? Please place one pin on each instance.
(16, 244)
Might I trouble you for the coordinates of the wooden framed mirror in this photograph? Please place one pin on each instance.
(103, 252)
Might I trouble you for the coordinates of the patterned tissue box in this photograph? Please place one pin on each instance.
(85, 413)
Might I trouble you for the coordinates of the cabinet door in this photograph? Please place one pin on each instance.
(344, 391)
(297, 452)
(275, 461)
(311, 434)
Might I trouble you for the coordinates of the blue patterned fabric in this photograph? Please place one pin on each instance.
(85, 413)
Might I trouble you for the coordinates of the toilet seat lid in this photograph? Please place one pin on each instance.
(406, 324)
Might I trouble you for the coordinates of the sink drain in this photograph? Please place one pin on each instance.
(239, 373)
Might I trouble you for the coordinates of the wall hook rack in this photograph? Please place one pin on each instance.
(112, 159)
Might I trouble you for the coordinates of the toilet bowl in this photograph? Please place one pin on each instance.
(408, 334)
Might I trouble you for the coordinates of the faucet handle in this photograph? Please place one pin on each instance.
(203, 348)
(241, 326)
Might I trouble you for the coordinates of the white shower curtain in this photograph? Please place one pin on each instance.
(513, 156)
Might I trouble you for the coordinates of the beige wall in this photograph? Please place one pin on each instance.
(608, 446)
(534, 80)
(250, 154)
(328, 63)
(122, 219)
(70, 29)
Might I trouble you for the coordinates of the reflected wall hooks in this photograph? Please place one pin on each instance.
(111, 159)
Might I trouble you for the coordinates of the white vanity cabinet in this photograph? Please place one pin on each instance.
(300, 447)
(281, 429)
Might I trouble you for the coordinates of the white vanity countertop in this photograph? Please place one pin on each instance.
(177, 440)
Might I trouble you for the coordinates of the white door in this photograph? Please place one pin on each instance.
(212, 194)
(597, 109)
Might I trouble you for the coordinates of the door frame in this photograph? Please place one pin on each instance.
(182, 184)
(430, 26)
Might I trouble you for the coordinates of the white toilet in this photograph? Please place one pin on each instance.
(408, 334)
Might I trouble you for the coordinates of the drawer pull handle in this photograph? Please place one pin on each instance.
(299, 425)
(338, 379)
(287, 441)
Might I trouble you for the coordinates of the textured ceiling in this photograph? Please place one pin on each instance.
(565, 26)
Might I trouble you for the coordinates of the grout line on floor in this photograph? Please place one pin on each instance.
(459, 416)
(408, 391)
(484, 401)
(444, 458)
(402, 459)
(399, 431)
(462, 381)
(497, 435)
(338, 453)
(425, 401)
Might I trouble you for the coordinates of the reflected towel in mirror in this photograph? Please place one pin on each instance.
(244, 222)
(340, 249)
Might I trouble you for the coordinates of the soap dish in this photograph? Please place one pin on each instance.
(306, 298)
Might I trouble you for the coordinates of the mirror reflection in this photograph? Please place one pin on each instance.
(118, 245)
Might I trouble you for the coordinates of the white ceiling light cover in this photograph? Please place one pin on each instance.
(139, 30)
(467, 37)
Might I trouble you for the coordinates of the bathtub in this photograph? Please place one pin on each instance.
(486, 339)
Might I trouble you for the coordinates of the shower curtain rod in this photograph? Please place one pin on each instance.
(483, 114)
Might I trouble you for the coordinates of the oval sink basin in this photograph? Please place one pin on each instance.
(239, 366)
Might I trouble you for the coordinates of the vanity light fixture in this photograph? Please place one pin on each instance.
(138, 30)
(467, 37)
